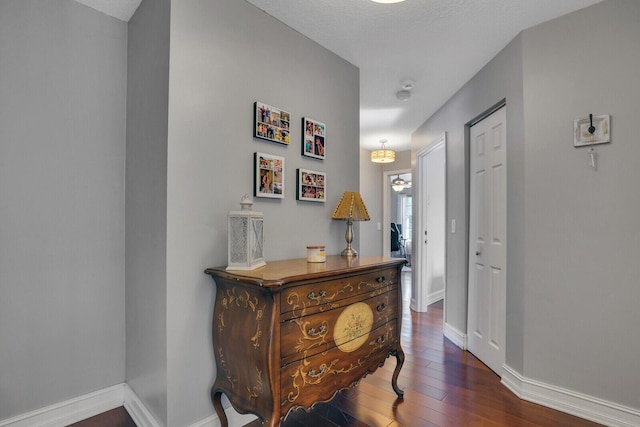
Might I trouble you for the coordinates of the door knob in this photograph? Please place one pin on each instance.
(478, 253)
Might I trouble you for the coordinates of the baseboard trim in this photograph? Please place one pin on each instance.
(580, 405)
(233, 417)
(455, 336)
(72, 410)
(80, 408)
(431, 298)
(435, 297)
(136, 409)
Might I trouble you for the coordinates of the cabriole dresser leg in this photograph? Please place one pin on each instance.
(216, 398)
(394, 380)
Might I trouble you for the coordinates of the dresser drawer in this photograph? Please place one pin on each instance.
(309, 335)
(325, 295)
(318, 377)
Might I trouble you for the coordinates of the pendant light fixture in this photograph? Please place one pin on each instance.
(398, 184)
(383, 155)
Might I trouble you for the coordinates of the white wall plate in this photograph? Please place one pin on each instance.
(601, 134)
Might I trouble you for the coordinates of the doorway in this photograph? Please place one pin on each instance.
(397, 217)
(429, 245)
(397, 214)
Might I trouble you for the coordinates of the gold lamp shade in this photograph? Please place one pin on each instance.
(383, 155)
(350, 208)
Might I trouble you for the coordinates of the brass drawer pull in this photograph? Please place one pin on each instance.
(313, 332)
(381, 339)
(312, 295)
(380, 279)
(381, 307)
(313, 374)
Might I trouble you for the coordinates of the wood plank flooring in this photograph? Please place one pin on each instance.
(444, 387)
(117, 417)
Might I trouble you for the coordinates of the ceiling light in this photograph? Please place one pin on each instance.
(387, 1)
(398, 184)
(383, 155)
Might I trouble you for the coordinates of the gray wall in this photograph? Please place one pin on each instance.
(66, 112)
(226, 54)
(572, 301)
(146, 207)
(62, 148)
(499, 79)
(582, 272)
(369, 236)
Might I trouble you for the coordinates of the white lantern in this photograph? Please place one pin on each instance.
(246, 237)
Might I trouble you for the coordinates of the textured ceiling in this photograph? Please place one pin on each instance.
(439, 44)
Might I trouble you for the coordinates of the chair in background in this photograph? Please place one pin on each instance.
(397, 248)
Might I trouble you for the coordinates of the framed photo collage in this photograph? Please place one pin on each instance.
(274, 125)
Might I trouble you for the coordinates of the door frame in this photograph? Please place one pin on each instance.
(419, 295)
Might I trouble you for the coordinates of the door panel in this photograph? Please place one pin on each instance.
(487, 240)
(431, 226)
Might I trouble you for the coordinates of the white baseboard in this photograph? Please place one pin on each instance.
(234, 419)
(431, 298)
(83, 407)
(80, 408)
(136, 409)
(435, 297)
(581, 405)
(70, 411)
(455, 336)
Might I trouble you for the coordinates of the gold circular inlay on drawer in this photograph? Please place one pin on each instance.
(353, 327)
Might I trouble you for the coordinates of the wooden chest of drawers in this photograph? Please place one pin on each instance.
(293, 333)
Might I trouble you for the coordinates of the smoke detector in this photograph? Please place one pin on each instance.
(405, 90)
(403, 95)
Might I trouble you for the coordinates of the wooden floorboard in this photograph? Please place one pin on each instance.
(443, 387)
(118, 417)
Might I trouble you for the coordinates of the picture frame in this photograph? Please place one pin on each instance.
(601, 132)
(314, 138)
(268, 176)
(311, 186)
(271, 123)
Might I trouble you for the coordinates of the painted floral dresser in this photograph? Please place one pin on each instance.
(292, 333)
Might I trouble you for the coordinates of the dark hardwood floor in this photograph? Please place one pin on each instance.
(444, 386)
(114, 418)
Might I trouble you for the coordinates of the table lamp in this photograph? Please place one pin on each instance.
(350, 208)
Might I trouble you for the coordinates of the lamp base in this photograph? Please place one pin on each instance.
(349, 252)
(348, 236)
